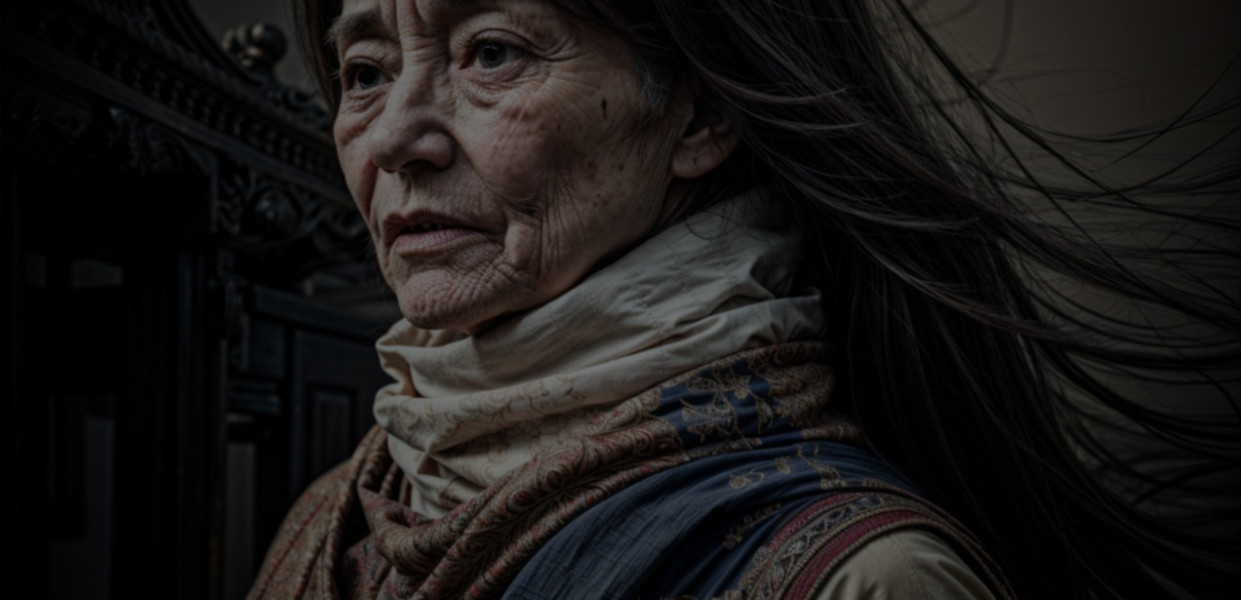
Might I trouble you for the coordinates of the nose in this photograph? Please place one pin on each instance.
(411, 132)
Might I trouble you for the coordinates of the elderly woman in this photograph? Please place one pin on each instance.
(675, 275)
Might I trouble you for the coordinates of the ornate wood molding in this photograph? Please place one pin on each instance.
(139, 86)
(171, 206)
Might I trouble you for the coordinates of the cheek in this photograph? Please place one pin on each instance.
(518, 154)
(358, 169)
(542, 139)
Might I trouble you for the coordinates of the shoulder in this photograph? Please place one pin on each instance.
(908, 563)
(873, 543)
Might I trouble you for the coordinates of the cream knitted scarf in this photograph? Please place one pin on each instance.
(466, 411)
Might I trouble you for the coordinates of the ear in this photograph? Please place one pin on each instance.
(706, 139)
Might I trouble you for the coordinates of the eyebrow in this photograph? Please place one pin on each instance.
(354, 26)
(369, 23)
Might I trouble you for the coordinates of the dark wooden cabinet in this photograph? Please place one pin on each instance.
(182, 268)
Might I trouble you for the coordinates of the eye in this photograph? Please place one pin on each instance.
(362, 77)
(368, 77)
(492, 55)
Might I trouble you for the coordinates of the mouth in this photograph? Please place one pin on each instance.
(424, 228)
(424, 233)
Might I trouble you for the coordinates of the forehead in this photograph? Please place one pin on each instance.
(373, 18)
(357, 19)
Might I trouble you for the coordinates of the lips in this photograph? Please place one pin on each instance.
(423, 232)
(424, 227)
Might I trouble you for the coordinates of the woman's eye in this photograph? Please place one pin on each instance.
(364, 77)
(491, 55)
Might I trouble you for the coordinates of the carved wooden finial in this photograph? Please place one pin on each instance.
(258, 46)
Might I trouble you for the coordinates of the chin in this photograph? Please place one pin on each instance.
(427, 313)
(424, 317)
(446, 301)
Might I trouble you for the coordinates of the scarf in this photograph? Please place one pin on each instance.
(731, 480)
(465, 412)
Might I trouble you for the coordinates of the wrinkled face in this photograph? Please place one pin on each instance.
(497, 150)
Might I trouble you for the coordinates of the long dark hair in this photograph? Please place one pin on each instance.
(920, 195)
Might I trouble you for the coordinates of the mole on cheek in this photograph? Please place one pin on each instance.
(604, 105)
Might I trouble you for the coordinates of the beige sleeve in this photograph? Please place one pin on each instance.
(905, 564)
